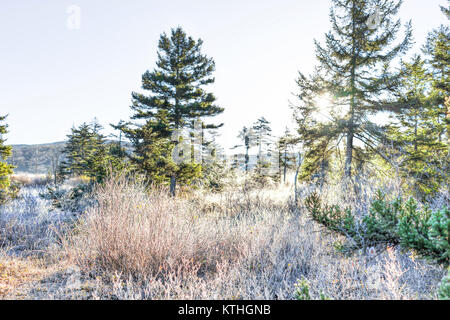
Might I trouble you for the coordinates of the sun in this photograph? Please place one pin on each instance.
(324, 104)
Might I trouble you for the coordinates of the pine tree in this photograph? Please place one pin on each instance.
(5, 169)
(248, 139)
(262, 133)
(286, 155)
(354, 66)
(437, 49)
(416, 132)
(214, 166)
(85, 152)
(210, 148)
(178, 98)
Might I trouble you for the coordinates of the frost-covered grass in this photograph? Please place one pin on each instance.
(29, 224)
(242, 243)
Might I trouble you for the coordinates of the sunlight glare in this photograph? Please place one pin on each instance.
(324, 106)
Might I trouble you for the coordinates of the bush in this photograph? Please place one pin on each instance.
(143, 232)
(425, 231)
(334, 218)
(214, 176)
(9, 194)
(392, 223)
(381, 221)
(75, 199)
(444, 289)
(389, 223)
(302, 291)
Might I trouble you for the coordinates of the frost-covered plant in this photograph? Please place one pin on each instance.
(75, 199)
(390, 222)
(302, 291)
(444, 289)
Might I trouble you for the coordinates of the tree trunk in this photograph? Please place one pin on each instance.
(415, 133)
(299, 164)
(349, 154)
(350, 135)
(247, 158)
(173, 184)
(447, 115)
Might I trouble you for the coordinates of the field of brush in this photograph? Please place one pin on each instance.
(127, 241)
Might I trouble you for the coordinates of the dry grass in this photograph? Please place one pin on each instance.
(30, 180)
(15, 272)
(242, 244)
(143, 233)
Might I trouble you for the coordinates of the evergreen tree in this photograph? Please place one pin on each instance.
(85, 152)
(210, 148)
(262, 133)
(437, 49)
(416, 132)
(214, 166)
(286, 155)
(247, 137)
(178, 98)
(5, 169)
(354, 66)
(152, 154)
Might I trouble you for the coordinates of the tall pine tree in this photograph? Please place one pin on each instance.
(177, 98)
(262, 132)
(354, 66)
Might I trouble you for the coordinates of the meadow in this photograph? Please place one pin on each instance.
(125, 240)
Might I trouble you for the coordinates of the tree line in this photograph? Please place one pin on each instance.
(360, 65)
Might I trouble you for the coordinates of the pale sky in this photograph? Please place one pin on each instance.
(53, 77)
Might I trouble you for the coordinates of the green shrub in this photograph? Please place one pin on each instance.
(425, 231)
(75, 199)
(332, 217)
(394, 223)
(444, 289)
(302, 291)
(381, 221)
(9, 194)
(439, 232)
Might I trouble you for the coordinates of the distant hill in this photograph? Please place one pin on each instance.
(44, 158)
(36, 158)
(40, 158)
